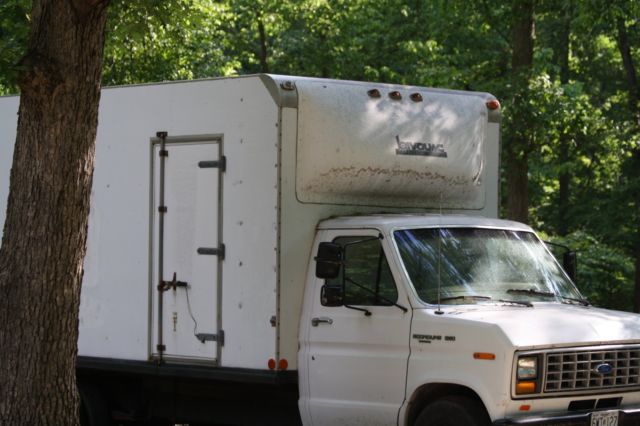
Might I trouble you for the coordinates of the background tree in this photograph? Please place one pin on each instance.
(518, 146)
(44, 237)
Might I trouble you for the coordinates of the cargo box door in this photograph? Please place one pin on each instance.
(186, 249)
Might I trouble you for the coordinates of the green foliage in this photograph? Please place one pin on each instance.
(14, 30)
(605, 273)
(152, 40)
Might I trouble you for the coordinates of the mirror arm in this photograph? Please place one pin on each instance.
(405, 310)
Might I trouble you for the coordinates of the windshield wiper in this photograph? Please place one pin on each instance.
(465, 297)
(531, 292)
(517, 302)
(573, 301)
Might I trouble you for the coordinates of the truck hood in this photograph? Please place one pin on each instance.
(555, 325)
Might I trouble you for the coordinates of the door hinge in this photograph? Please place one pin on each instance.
(219, 164)
(211, 337)
(213, 251)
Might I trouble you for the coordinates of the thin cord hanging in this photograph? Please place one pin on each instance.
(195, 323)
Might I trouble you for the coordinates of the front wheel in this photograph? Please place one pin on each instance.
(453, 411)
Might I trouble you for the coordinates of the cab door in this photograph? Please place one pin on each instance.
(357, 349)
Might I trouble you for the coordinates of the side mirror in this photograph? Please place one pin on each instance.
(328, 261)
(332, 295)
(570, 264)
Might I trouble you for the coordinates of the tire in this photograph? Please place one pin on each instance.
(93, 407)
(453, 411)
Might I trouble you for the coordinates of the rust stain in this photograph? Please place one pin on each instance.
(370, 172)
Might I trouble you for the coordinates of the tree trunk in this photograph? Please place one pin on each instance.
(264, 65)
(634, 108)
(564, 180)
(43, 243)
(517, 149)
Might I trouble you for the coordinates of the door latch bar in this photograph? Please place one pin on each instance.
(173, 284)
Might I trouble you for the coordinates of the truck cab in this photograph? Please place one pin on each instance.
(456, 320)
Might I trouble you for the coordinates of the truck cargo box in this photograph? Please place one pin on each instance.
(239, 171)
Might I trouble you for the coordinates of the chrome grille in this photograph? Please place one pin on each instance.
(578, 370)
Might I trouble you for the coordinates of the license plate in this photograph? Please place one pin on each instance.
(604, 418)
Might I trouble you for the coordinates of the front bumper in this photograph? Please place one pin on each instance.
(628, 417)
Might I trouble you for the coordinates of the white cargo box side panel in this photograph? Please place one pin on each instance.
(116, 312)
(8, 127)
(425, 148)
(250, 232)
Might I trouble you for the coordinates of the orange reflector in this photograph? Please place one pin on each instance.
(484, 355)
(525, 387)
(272, 364)
(493, 104)
(525, 407)
(283, 364)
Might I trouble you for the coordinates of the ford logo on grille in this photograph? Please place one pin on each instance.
(604, 369)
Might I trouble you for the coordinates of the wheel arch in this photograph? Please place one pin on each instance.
(430, 392)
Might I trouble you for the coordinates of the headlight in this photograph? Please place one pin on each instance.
(527, 368)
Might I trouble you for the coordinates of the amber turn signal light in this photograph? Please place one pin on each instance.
(523, 388)
(484, 355)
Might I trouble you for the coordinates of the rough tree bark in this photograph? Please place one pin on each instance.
(518, 147)
(634, 107)
(43, 243)
(264, 65)
(564, 180)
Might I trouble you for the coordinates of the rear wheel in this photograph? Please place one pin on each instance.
(453, 411)
(93, 407)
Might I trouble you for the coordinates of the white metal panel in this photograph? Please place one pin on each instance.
(190, 222)
(357, 149)
(115, 311)
(8, 127)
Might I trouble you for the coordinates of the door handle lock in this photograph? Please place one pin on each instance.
(316, 321)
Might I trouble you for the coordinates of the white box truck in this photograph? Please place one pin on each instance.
(272, 250)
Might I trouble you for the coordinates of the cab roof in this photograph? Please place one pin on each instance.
(395, 221)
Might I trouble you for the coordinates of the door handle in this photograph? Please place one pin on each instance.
(316, 321)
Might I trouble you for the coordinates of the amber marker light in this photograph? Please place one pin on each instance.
(373, 93)
(283, 364)
(523, 388)
(272, 364)
(484, 355)
(395, 95)
(493, 104)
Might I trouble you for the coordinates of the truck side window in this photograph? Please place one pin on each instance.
(366, 274)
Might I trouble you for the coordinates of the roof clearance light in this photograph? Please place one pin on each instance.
(395, 95)
(493, 104)
(416, 97)
(283, 364)
(271, 364)
(484, 355)
(373, 93)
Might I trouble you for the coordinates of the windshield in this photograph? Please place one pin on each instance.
(481, 265)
